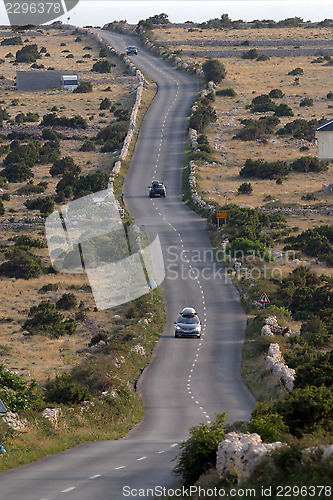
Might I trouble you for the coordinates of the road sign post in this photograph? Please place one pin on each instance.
(264, 300)
(221, 214)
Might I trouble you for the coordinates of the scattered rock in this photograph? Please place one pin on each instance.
(52, 415)
(14, 422)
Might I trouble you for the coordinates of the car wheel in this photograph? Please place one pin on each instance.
(176, 335)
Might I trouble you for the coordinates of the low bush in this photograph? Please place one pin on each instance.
(14, 40)
(33, 188)
(299, 129)
(44, 205)
(283, 110)
(276, 94)
(296, 72)
(2, 208)
(315, 242)
(262, 103)
(309, 164)
(265, 170)
(105, 103)
(66, 301)
(245, 188)
(21, 264)
(250, 54)
(102, 66)
(257, 129)
(97, 338)
(63, 390)
(50, 287)
(306, 102)
(198, 453)
(112, 136)
(51, 119)
(87, 146)
(229, 92)
(83, 88)
(29, 241)
(46, 320)
(203, 115)
(28, 53)
(18, 394)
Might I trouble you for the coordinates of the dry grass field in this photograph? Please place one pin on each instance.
(37, 356)
(249, 79)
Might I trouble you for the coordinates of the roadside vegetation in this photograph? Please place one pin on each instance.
(60, 355)
(277, 240)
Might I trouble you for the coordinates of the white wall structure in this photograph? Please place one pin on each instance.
(324, 134)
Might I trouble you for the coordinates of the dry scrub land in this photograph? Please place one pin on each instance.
(251, 78)
(38, 356)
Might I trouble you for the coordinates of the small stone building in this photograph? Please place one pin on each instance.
(40, 80)
(324, 134)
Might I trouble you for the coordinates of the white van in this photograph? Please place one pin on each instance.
(69, 82)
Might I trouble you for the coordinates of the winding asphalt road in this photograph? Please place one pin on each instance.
(188, 380)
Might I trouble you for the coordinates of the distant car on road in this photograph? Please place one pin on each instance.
(132, 50)
(157, 189)
(188, 324)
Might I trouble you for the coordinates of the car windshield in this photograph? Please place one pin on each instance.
(188, 320)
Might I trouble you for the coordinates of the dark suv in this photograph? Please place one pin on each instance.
(132, 51)
(157, 189)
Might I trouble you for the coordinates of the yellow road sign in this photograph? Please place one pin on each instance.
(221, 214)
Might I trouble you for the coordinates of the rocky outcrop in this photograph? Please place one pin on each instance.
(52, 415)
(271, 328)
(14, 422)
(238, 454)
(276, 364)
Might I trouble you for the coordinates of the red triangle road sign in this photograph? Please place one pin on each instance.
(264, 299)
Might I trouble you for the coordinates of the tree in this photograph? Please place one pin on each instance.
(28, 53)
(199, 452)
(214, 70)
(262, 103)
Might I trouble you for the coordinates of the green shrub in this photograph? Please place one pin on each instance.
(299, 129)
(83, 87)
(21, 264)
(66, 301)
(296, 72)
(112, 136)
(50, 287)
(257, 129)
(46, 320)
(63, 390)
(263, 57)
(87, 146)
(309, 164)
(269, 425)
(262, 103)
(28, 53)
(214, 70)
(50, 135)
(306, 102)
(97, 338)
(329, 96)
(276, 94)
(29, 241)
(198, 453)
(283, 110)
(66, 167)
(33, 188)
(203, 115)
(102, 66)
(16, 393)
(17, 172)
(245, 188)
(14, 40)
(241, 247)
(105, 104)
(51, 119)
(250, 54)
(49, 152)
(44, 205)
(265, 170)
(4, 115)
(229, 92)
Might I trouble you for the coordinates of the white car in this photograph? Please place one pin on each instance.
(188, 324)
